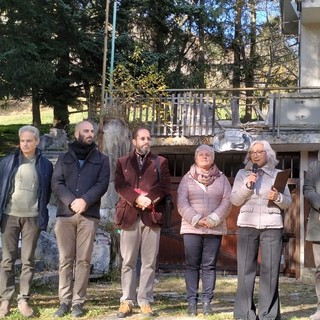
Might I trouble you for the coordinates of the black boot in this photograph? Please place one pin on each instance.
(62, 311)
(192, 309)
(207, 310)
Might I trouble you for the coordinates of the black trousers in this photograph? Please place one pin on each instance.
(270, 243)
(201, 252)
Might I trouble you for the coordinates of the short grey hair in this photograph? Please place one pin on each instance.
(204, 147)
(31, 129)
(270, 153)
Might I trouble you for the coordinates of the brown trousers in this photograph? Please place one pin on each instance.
(75, 236)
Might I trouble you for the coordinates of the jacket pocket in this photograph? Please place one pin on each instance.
(274, 210)
(119, 213)
(246, 209)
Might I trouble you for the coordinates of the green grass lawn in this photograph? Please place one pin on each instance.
(11, 121)
(298, 300)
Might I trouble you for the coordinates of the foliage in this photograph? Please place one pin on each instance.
(51, 49)
(134, 78)
(203, 44)
(54, 49)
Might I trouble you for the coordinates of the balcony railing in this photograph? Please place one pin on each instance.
(189, 113)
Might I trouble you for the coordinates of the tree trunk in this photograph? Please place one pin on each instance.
(201, 58)
(251, 63)
(237, 49)
(237, 45)
(61, 116)
(91, 101)
(36, 117)
(60, 107)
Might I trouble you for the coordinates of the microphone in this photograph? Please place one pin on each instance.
(255, 168)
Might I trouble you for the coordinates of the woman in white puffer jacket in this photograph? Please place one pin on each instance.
(260, 225)
(203, 203)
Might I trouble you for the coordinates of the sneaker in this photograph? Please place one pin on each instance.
(207, 310)
(63, 310)
(25, 309)
(77, 311)
(125, 309)
(315, 316)
(147, 310)
(4, 308)
(192, 309)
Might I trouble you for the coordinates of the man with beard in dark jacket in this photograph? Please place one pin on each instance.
(80, 179)
(25, 188)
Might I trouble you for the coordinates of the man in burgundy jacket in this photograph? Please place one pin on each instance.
(142, 180)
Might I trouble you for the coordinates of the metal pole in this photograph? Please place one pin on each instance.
(113, 45)
(103, 85)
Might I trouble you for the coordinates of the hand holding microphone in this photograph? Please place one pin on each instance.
(253, 177)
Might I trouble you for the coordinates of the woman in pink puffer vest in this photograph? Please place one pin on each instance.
(203, 203)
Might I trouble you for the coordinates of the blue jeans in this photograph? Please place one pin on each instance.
(201, 253)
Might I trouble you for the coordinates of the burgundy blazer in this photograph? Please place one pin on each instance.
(129, 177)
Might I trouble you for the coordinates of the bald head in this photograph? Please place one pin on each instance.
(84, 132)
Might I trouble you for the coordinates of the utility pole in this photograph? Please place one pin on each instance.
(103, 85)
(113, 39)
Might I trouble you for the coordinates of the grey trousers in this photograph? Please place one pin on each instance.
(75, 236)
(270, 243)
(11, 229)
(316, 255)
(137, 238)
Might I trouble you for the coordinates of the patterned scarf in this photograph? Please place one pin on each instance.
(203, 176)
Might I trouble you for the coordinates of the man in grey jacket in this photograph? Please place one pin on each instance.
(311, 191)
(80, 179)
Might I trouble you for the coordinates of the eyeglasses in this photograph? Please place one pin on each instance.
(257, 153)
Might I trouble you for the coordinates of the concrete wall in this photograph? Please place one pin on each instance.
(310, 55)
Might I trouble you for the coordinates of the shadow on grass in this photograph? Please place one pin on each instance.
(298, 300)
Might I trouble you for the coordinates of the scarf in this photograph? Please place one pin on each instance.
(81, 150)
(203, 176)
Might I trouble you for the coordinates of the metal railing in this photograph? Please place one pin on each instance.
(194, 112)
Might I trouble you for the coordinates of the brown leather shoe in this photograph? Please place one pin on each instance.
(4, 308)
(25, 309)
(125, 309)
(146, 310)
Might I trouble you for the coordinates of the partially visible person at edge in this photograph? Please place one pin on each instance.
(25, 189)
(259, 226)
(203, 203)
(311, 191)
(141, 188)
(80, 179)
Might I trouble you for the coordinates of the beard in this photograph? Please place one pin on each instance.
(144, 150)
(83, 140)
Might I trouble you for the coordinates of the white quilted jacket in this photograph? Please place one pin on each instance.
(254, 211)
